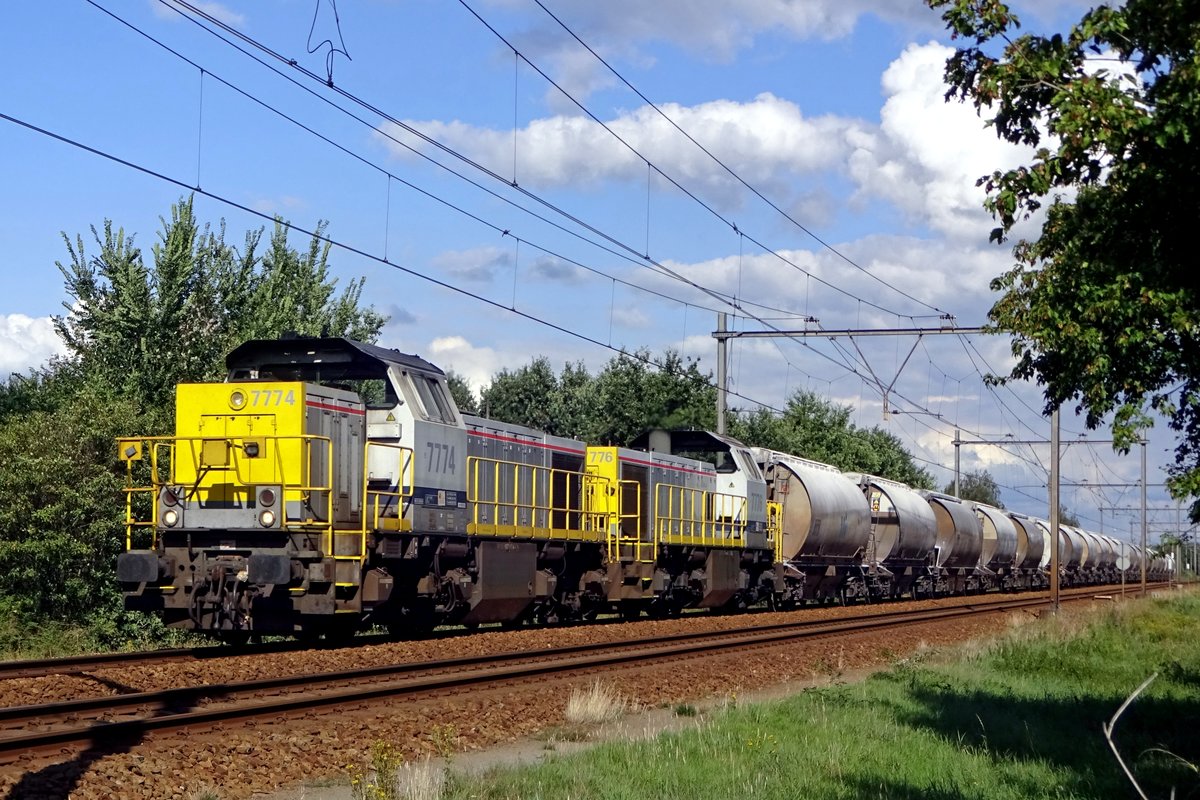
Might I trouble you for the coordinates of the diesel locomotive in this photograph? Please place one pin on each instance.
(327, 485)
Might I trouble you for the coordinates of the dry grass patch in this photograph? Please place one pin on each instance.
(595, 705)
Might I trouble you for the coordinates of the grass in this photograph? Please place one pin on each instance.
(1017, 718)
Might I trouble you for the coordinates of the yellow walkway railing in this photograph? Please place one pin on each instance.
(508, 498)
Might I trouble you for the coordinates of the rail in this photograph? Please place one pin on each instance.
(510, 498)
(193, 460)
(82, 722)
(686, 516)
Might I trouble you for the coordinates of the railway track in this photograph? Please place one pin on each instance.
(84, 664)
(117, 721)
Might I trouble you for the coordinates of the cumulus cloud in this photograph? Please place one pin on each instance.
(476, 365)
(26, 342)
(550, 268)
(927, 154)
(478, 264)
(766, 141)
(717, 29)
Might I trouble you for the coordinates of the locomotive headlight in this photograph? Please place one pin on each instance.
(266, 497)
(237, 400)
(170, 518)
(266, 518)
(170, 497)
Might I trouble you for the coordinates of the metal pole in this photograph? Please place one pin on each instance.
(1054, 509)
(1143, 517)
(957, 445)
(722, 343)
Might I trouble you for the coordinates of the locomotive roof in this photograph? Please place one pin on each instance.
(352, 360)
(686, 440)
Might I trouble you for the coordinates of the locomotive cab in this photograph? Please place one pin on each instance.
(266, 502)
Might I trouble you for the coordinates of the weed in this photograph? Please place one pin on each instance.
(686, 710)
(420, 780)
(594, 705)
(379, 780)
(444, 737)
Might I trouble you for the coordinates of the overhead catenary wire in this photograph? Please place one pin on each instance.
(658, 170)
(175, 6)
(707, 291)
(180, 6)
(754, 190)
(743, 302)
(348, 248)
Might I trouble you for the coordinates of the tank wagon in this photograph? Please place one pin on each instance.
(903, 536)
(326, 485)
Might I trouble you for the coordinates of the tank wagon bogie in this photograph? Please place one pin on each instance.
(329, 485)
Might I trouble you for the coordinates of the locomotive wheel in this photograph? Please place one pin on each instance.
(630, 610)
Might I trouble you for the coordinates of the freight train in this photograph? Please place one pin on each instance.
(329, 485)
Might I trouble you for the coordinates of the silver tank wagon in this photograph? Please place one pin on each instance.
(959, 541)
(904, 530)
(826, 520)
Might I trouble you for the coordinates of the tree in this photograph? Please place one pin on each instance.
(522, 396)
(143, 327)
(1103, 303)
(977, 485)
(628, 396)
(815, 428)
(134, 328)
(462, 393)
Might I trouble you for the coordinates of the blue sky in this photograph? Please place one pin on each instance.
(832, 109)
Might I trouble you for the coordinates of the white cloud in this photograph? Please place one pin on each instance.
(280, 206)
(478, 264)
(766, 141)
(927, 153)
(26, 342)
(717, 29)
(475, 364)
(551, 268)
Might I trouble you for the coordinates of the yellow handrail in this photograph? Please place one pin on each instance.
(684, 515)
(620, 536)
(775, 528)
(513, 490)
(371, 498)
(174, 447)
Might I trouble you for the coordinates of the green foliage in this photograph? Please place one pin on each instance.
(1065, 517)
(141, 328)
(61, 507)
(625, 398)
(815, 428)
(1103, 303)
(977, 485)
(1013, 720)
(461, 391)
(134, 328)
